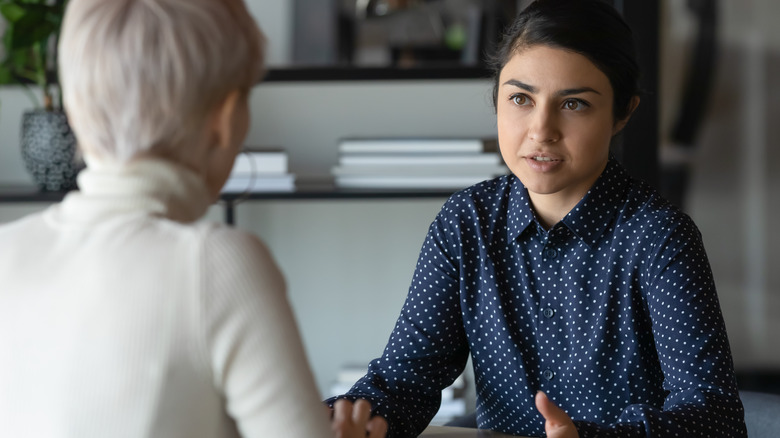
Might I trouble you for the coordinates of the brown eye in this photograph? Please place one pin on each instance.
(575, 105)
(520, 99)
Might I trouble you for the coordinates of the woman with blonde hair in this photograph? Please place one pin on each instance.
(121, 314)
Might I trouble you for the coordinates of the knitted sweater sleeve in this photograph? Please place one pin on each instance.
(252, 341)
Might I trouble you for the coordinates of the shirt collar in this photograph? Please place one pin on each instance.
(149, 185)
(595, 212)
(588, 219)
(521, 215)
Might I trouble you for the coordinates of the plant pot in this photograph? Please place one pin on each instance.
(49, 150)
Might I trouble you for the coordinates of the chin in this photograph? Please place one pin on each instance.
(543, 190)
(536, 184)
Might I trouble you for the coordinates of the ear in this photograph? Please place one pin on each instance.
(622, 123)
(222, 120)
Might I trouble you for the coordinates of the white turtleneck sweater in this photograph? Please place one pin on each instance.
(122, 317)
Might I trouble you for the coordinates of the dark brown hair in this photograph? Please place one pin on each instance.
(592, 28)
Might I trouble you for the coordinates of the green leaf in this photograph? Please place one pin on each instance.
(5, 76)
(12, 12)
(31, 26)
(24, 39)
(30, 30)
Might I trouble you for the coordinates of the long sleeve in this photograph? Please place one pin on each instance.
(254, 347)
(427, 349)
(693, 350)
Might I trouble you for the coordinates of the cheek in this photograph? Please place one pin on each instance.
(592, 134)
(508, 127)
(509, 139)
(603, 135)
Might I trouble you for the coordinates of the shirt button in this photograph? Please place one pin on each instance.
(548, 312)
(548, 374)
(551, 253)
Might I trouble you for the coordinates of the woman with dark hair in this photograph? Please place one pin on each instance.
(585, 301)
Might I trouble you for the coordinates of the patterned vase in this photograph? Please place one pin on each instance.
(49, 150)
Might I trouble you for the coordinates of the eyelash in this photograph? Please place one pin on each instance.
(515, 96)
(579, 102)
(566, 102)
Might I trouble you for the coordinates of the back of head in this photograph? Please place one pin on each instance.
(591, 28)
(141, 76)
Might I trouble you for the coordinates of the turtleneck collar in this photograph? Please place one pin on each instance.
(146, 186)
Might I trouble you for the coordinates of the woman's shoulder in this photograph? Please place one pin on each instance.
(646, 206)
(231, 245)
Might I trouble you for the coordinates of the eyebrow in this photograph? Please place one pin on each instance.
(565, 92)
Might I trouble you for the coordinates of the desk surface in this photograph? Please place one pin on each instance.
(460, 432)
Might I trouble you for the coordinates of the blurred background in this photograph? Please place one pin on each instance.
(715, 107)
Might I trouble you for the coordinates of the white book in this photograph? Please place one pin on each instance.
(407, 182)
(419, 160)
(412, 145)
(439, 170)
(260, 183)
(260, 162)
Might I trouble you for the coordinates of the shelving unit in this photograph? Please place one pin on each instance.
(321, 190)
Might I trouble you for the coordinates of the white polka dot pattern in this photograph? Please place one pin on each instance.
(612, 312)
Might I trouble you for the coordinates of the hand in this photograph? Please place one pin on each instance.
(557, 423)
(354, 420)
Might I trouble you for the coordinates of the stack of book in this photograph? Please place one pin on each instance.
(260, 170)
(416, 163)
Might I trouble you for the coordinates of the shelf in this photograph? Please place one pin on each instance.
(367, 73)
(326, 190)
(27, 194)
(304, 191)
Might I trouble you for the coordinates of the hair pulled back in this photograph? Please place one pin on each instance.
(591, 28)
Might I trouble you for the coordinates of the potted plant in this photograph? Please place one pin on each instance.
(30, 43)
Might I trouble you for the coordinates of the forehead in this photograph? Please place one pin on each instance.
(552, 69)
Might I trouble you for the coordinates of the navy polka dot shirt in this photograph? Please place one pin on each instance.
(612, 312)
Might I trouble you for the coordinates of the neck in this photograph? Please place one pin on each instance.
(550, 209)
(154, 185)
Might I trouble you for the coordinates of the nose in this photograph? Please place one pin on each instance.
(543, 126)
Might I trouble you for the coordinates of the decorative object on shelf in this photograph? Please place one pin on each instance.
(49, 150)
(30, 41)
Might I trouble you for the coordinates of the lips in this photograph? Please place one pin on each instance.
(542, 157)
(543, 162)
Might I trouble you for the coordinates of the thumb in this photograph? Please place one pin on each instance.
(554, 415)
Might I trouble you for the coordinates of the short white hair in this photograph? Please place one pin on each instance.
(142, 76)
